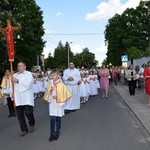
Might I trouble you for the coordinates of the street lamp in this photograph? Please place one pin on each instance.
(69, 53)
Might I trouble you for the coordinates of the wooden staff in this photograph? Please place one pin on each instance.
(8, 31)
(12, 72)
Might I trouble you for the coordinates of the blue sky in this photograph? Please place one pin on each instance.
(80, 16)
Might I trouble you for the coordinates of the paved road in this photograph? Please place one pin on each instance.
(101, 124)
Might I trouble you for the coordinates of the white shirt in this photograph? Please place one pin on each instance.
(71, 73)
(23, 91)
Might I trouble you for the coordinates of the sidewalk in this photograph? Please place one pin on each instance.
(137, 103)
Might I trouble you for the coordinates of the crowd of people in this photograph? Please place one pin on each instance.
(65, 91)
(134, 77)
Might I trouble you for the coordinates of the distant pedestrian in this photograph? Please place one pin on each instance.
(141, 77)
(137, 81)
(122, 75)
(56, 94)
(147, 81)
(104, 80)
(131, 77)
(115, 74)
(24, 98)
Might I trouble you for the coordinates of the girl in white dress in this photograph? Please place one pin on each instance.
(96, 79)
(93, 87)
(83, 89)
(35, 87)
(46, 80)
(39, 85)
(88, 85)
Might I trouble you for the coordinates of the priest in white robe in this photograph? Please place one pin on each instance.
(23, 97)
(72, 79)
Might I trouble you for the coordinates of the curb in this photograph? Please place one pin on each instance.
(133, 111)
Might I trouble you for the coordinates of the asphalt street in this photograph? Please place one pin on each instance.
(100, 124)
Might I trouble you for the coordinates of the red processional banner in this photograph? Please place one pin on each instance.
(10, 43)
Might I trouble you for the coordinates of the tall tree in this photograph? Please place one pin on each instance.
(128, 32)
(27, 15)
(114, 35)
(60, 56)
(49, 62)
(60, 59)
(85, 58)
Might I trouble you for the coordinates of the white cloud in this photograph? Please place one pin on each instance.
(48, 31)
(100, 53)
(47, 50)
(58, 14)
(110, 8)
(76, 48)
(102, 48)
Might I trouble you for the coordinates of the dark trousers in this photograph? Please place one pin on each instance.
(137, 83)
(27, 111)
(10, 104)
(131, 87)
(116, 80)
(55, 125)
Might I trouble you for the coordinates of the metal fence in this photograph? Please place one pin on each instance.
(140, 61)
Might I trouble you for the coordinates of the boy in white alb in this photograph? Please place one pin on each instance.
(56, 94)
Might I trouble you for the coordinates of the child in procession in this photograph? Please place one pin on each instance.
(83, 89)
(56, 94)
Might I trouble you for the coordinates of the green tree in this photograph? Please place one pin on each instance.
(114, 34)
(27, 15)
(60, 59)
(49, 62)
(61, 56)
(85, 58)
(129, 31)
(134, 53)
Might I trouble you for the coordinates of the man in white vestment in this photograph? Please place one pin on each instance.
(23, 97)
(72, 79)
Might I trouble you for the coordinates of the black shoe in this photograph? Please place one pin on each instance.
(67, 111)
(10, 115)
(56, 137)
(51, 138)
(14, 115)
(72, 110)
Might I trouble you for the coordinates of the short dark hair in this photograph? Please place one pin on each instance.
(22, 62)
(144, 65)
(55, 71)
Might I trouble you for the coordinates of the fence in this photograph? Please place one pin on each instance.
(140, 61)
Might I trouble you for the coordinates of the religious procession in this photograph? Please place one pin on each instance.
(74, 75)
(64, 92)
